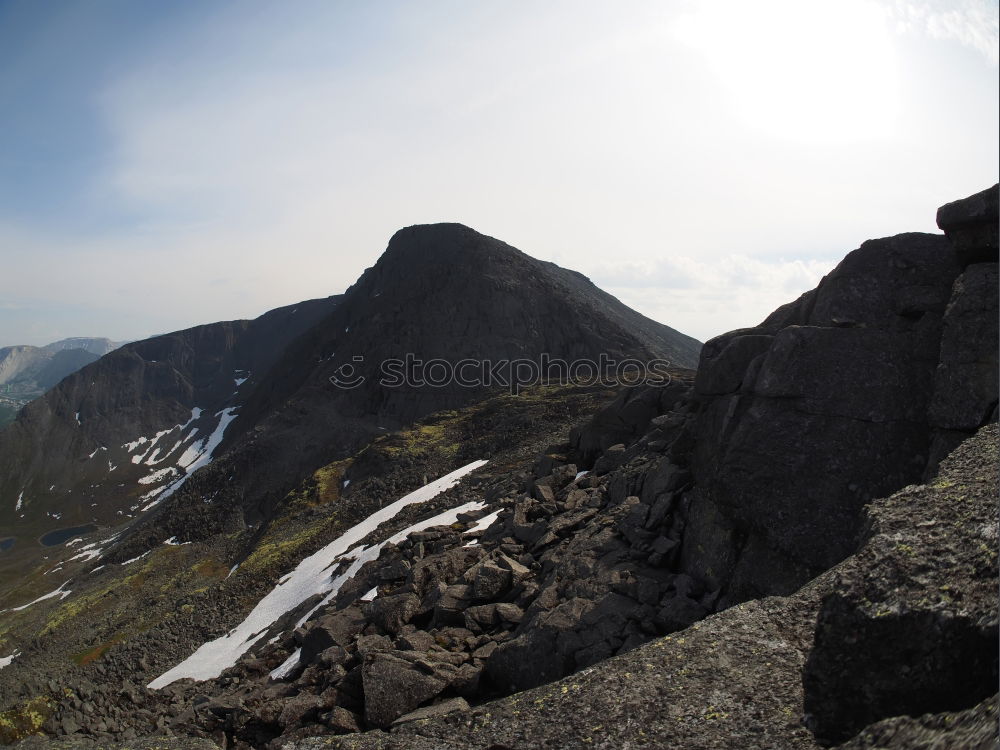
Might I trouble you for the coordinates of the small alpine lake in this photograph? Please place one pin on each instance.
(64, 535)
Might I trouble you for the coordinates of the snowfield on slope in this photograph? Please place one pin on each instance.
(313, 576)
(198, 454)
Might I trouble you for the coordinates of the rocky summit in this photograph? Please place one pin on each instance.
(788, 539)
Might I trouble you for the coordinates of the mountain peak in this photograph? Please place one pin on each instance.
(447, 243)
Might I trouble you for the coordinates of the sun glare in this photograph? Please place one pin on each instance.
(801, 69)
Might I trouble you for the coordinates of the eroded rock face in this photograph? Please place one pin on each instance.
(817, 411)
(856, 389)
(394, 687)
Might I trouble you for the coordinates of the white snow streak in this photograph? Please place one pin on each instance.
(58, 592)
(195, 457)
(485, 522)
(86, 555)
(281, 672)
(312, 576)
(6, 660)
(157, 476)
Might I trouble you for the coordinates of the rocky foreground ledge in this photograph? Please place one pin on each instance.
(896, 647)
(907, 623)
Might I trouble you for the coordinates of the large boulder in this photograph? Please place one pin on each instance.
(394, 687)
(971, 225)
(624, 419)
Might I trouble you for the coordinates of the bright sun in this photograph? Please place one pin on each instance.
(801, 69)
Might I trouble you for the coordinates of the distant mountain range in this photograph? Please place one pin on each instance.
(26, 372)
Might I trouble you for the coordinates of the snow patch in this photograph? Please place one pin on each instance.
(158, 476)
(280, 673)
(203, 458)
(52, 594)
(312, 576)
(6, 660)
(134, 559)
(370, 595)
(193, 462)
(485, 522)
(20, 501)
(86, 555)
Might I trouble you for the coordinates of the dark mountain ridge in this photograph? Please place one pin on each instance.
(442, 292)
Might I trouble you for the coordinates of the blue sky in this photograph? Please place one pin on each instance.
(164, 164)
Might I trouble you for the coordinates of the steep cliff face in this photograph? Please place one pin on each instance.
(856, 389)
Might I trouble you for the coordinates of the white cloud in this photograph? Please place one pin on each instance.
(973, 23)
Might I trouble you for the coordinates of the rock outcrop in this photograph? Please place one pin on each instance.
(856, 389)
